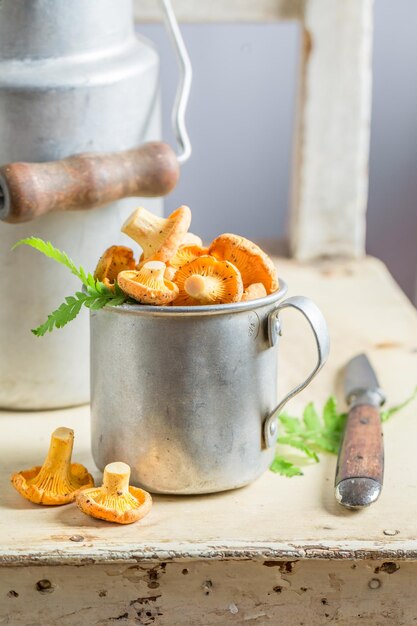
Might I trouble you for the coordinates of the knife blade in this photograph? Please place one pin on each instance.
(360, 464)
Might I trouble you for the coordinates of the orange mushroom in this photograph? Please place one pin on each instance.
(58, 480)
(192, 240)
(148, 284)
(115, 501)
(184, 255)
(114, 260)
(254, 265)
(158, 237)
(205, 280)
(254, 291)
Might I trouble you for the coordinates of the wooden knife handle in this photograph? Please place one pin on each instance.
(85, 181)
(360, 465)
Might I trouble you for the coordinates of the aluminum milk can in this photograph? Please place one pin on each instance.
(74, 78)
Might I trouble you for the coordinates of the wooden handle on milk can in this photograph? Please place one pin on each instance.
(85, 181)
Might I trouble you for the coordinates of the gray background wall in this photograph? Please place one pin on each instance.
(240, 120)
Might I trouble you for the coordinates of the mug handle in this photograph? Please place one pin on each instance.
(321, 334)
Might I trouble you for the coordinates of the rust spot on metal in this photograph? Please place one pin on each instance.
(389, 567)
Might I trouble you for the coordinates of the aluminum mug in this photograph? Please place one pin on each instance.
(187, 395)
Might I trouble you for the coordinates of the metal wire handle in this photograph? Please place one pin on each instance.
(318, 325)
(184, 84)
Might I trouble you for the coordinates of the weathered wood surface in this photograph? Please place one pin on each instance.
(330, 173)
(242, 593)
(275, 517)
(278, 551)
(332, 130)
(220, 11)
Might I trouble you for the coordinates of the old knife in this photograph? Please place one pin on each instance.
(360, 465)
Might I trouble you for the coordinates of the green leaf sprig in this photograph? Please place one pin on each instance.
(95, 295)
(314, 433)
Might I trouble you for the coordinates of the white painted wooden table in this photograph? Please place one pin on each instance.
(279, 551)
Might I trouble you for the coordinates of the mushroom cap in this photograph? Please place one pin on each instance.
(148, 285)
(58, 480)
(53, 492)
(123, 506)
(158, 237)
(206, 280)
(170, 272)
(192, 240)
(114, 260)
(254, 291)
(184, 255)
(254, 265)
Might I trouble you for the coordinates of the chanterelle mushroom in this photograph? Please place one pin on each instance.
(115, 500)
(148, 284)
(190, 239)
(254, 265)
(114, 260)
(254, 291)
(158, 237)
(184, 255)
(206, 280)
(58, 480)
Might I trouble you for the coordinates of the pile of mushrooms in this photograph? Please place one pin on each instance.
(176, 269)
(59, 481)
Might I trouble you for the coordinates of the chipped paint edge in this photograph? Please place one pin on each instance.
(358, 551)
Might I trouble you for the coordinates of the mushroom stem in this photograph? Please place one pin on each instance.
(141, 224)
(151, 272)
(198, 286)
(57, 464)
(158, 237)
(115, 500)
(116, 479)
(58, 480)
